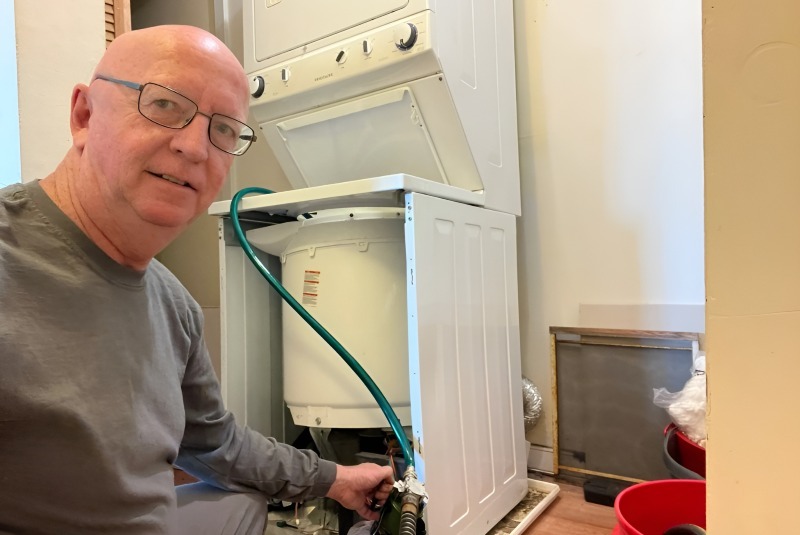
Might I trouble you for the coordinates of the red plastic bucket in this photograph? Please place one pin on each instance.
(653, 507)
(692, 456)
(684, 451)
(683, 458)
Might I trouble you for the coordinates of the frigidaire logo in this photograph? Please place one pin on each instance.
(318, 78)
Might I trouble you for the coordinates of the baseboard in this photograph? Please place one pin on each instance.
(540, 459)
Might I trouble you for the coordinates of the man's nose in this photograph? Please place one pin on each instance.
(192, 140)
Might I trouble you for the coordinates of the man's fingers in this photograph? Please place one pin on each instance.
(374, 504)
(369, 514)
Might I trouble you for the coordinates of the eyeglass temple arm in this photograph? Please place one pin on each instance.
(132, 85)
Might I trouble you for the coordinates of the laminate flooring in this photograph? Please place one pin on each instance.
(570, 514)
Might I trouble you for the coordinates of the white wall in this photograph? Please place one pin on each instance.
(9, 105)
(610, 126)
(57, 47)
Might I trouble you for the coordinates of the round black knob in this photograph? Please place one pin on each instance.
(405, 35)
(257, 86)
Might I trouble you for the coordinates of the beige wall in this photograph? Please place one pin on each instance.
(752, 162)
(47, 70)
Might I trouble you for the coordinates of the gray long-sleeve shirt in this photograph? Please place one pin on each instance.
(105, 383)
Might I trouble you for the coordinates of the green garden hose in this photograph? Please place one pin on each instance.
(394, 421)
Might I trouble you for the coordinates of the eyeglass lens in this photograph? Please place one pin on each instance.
(171, 109)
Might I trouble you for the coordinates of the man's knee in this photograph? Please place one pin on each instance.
(206, 510)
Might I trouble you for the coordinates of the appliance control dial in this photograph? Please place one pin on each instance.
(341, 56)
(257, 86)
(405, 35)
(366, 46)
(285, 74)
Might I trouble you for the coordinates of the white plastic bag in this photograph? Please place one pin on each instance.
(361, 528)
(687, 408)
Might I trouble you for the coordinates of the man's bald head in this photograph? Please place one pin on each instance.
(134, 184)
(139, 51)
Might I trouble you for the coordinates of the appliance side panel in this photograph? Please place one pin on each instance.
(504, 373)
(475, 45)
(465, 362)
(232, 362)
(252, 375)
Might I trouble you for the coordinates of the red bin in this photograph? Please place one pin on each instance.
(684, 451)
(653, 507)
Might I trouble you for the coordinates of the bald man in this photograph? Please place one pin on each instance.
(105, 379)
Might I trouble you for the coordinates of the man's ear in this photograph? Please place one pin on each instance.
(80, 111)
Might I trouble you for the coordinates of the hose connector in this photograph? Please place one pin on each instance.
(413, 498)
(402, 510)
(411, 485)
(408, 514)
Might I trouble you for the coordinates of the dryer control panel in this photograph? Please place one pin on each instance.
(381, 49)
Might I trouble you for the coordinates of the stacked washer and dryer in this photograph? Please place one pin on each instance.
(395, 123)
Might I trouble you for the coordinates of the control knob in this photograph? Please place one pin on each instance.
(405, 35)
(366, 46)
(257, 86)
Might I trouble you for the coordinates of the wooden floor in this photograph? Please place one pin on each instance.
(570, 514)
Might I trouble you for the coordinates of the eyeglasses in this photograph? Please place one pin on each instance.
(167, 107)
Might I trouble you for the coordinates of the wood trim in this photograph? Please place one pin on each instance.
(596, 342)
(122, 16)
(554, 400)
(600, 474)
(117, 18)
(625, 333)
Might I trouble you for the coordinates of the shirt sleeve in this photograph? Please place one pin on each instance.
(218, 451)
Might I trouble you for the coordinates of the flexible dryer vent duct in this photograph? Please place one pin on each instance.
(531, 404)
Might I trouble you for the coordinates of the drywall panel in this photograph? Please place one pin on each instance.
(753, 369)
(609, 98)
(47, 71)
(752, 130)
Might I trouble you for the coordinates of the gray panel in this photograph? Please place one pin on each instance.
(607, 421)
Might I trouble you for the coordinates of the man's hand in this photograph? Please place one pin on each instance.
(358, 487)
